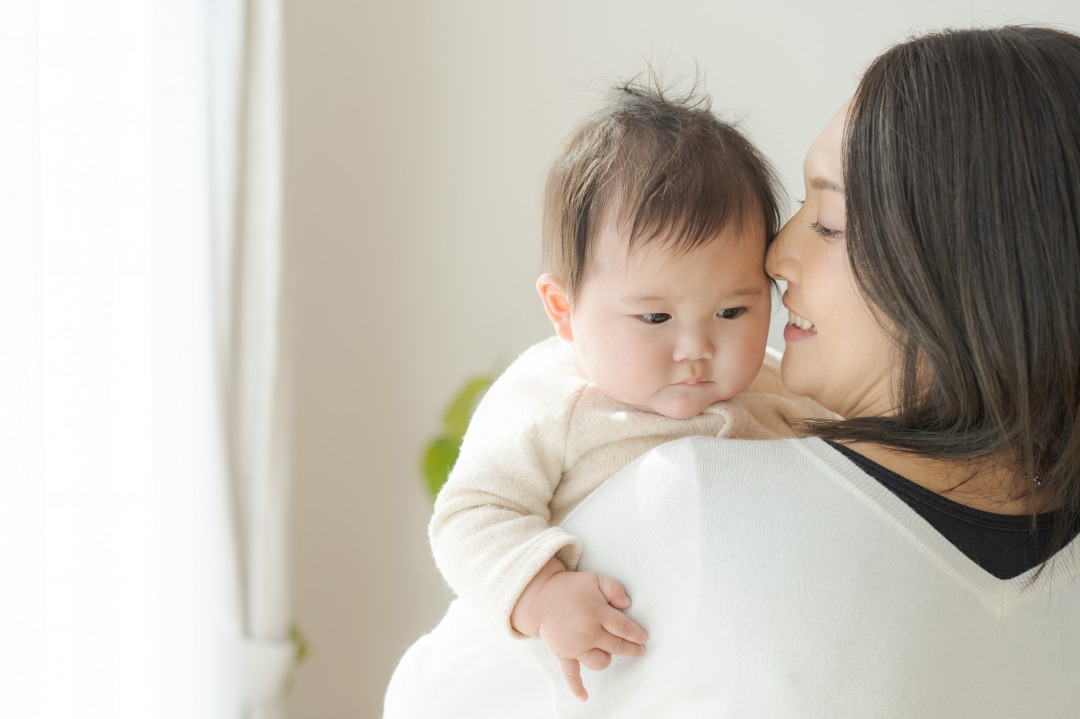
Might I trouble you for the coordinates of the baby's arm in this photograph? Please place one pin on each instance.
(578, 616)
(490, 530)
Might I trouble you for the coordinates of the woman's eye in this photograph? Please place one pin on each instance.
(825, 231)
(731, 313)
(654, 318)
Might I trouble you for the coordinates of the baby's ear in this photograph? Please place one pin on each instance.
(556, 304)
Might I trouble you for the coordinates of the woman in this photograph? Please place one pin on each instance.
(918, 558)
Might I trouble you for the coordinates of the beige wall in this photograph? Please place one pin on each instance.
(417, 139)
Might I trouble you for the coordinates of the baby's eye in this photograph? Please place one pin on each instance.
(654, 318)
(731, 313)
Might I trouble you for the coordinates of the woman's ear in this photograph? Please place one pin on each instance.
(556, 304)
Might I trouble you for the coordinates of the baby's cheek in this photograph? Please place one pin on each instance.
(622, 384)
(747, 366)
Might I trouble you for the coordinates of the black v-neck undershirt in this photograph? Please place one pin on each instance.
(1004, 545)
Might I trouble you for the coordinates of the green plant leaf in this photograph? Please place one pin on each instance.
(301, 649)
(456, 419)
(438, 460)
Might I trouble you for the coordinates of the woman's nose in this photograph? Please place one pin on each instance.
(781, 262)
(694, 345)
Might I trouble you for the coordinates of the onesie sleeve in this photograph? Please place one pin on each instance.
(490, 530)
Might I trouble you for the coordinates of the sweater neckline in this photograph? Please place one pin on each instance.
(1001, 596)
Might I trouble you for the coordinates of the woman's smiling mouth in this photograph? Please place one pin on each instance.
(798, 328)
(799, 321)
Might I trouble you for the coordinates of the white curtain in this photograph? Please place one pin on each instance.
(143, 402)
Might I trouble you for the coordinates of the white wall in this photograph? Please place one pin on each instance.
(418, 135)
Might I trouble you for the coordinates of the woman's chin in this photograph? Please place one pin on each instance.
(794, 373)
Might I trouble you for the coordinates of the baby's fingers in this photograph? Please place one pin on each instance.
(620, 626)
(596, 659)
(614, 592)
(617, 645)
(571, 671)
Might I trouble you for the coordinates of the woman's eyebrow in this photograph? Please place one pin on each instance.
(820, 183)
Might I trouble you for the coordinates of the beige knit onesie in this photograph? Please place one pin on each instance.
(541, 440)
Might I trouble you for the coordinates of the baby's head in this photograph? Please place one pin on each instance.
(657, 216)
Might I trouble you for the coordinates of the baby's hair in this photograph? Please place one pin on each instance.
(662, 166)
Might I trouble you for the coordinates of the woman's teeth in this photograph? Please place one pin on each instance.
(800, 322)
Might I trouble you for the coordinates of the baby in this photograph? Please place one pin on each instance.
(657, 217)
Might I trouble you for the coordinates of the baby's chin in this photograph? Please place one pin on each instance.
(680, 407)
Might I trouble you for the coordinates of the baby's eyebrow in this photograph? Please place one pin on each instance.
(643, 299)
(743, 292)
(638, 299)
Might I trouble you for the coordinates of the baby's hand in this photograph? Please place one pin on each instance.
(578, 617)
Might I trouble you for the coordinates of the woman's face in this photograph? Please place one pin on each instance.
(837, 352)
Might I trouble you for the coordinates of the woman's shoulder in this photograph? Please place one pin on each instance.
(719, 473)
(711, 458)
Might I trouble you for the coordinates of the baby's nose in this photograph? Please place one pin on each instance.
(693, 346)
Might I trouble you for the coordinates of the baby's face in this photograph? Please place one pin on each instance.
(672, 332)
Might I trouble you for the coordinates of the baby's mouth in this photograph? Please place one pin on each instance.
(800, 322)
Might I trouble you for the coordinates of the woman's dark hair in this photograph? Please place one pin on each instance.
(962, 176)
(667, 165)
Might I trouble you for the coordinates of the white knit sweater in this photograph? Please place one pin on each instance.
(541, 440)
(775, 579)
